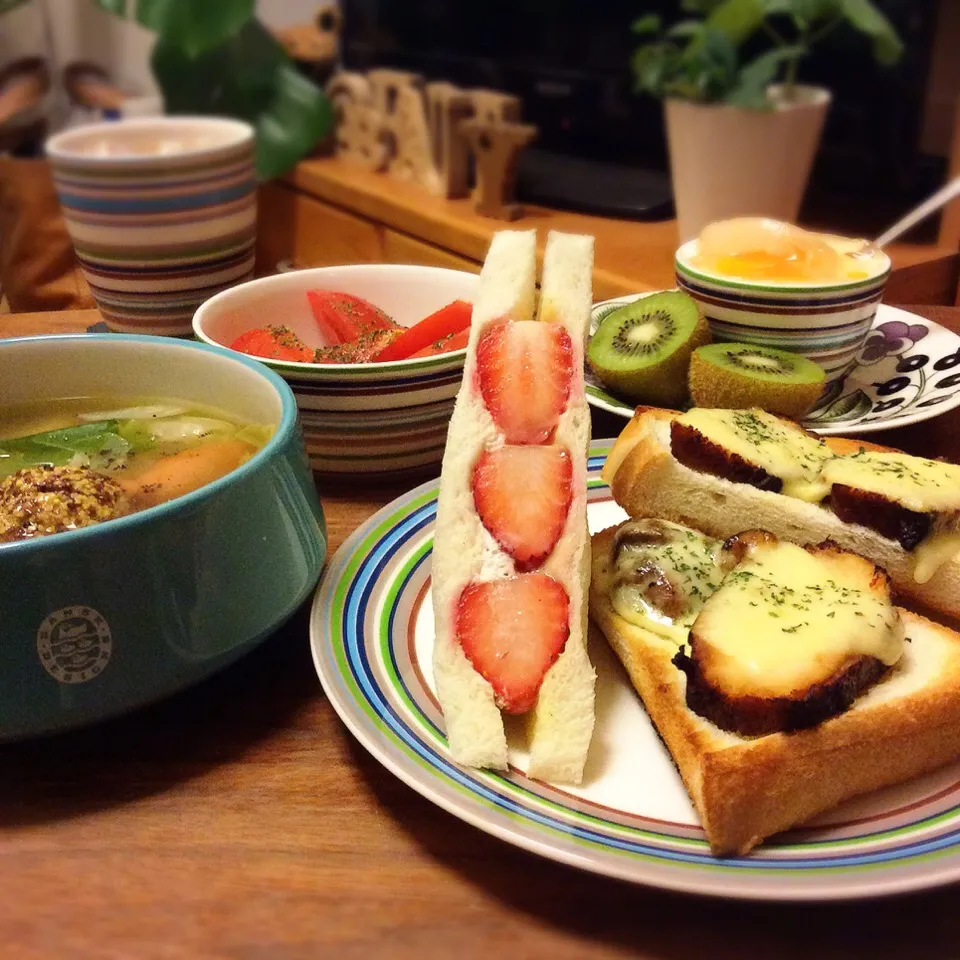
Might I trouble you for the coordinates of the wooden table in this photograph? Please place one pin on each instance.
(240, 820)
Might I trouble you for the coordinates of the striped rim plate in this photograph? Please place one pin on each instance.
(905, 374)
(371, 632)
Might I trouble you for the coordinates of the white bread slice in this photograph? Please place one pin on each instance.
(747, 789)
(647, 481)
(562, 721)
(462, 548)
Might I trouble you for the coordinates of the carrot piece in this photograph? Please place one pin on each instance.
(451, 319)
(184, 472)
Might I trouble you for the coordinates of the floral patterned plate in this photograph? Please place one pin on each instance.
(908, 371)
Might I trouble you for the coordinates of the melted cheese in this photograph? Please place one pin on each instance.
(924, 486)
(935, 550)
(783, 614)
(767, 442)
(688, 560)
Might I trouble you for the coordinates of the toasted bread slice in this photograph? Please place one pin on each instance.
(647, 480)
(746, 789)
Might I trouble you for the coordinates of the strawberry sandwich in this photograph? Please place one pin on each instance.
(511, 559)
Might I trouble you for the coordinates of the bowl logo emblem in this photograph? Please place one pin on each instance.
(74, 644)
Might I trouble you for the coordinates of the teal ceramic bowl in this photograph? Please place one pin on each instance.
(101, 620)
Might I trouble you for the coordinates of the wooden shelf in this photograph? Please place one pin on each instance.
(630, 256)
(329, 211)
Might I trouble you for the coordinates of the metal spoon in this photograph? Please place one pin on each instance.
(942, 197)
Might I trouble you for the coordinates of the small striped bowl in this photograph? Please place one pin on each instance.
(378, 420)
(162, 213)
(825, 323)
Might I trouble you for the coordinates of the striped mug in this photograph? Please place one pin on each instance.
(826, 322)
(162, 214)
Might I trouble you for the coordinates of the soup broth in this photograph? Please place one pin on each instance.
(73, 462)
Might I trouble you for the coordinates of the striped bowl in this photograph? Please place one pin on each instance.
(378, 420)
(825, 323)
(162, 213)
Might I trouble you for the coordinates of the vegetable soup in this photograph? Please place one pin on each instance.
(71, 463)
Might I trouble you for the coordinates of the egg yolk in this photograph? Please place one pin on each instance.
(755, 248)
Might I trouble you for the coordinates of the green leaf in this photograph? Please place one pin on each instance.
(685, 29)
(652, 65)
(736, 19)
(848, 407)
(119, 7)
(195, 25)
(297, 118)
(865, 17)
(90, 444)
(751, 87)
(249, 77)
(703, 7)
(7, 5)
(806, 11)
(719, 50)
(648, 23)
(235, 79)
(67, 438)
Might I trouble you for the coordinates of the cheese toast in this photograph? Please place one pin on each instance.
(903, 722)
(728, 471)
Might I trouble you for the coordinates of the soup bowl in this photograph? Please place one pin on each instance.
(103, 619)
(827, 323)
(359, 419)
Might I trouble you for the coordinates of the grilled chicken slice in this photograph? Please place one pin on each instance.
(889, 518)
(793, 636)
(691, 448)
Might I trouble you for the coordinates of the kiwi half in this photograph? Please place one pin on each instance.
(745, 375)
(642, 350)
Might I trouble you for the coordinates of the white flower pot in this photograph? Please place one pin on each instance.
(728, 161)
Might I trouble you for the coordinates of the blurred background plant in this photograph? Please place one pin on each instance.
(216, 57)
(712, 56)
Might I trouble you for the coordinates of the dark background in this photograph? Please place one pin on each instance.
(569, 61)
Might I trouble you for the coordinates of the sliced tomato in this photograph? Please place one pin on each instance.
(455, 341)
(361, 350)
(273, 343)
(448, 320)
(342, 317)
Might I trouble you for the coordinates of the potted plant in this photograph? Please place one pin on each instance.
(216, 57)
(742, 131)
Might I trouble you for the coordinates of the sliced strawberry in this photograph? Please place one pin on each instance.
(341, 317)
(524, 369)
(522, 496)
(273, 343)
(512, 631)
(448, 320)
(455, 341)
